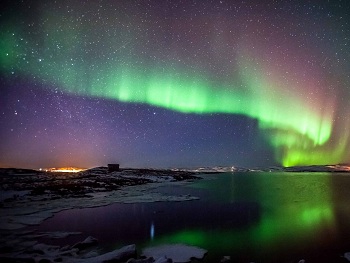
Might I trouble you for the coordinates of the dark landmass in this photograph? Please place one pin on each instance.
(338, 168)
(56, 185)
(28, 197)
(19, 171)
(80, 184)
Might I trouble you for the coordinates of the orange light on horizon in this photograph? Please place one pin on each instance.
(65, 170)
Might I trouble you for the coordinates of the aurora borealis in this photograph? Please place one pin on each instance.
(175, 83)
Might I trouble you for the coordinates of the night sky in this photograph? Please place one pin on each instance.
(174, 83)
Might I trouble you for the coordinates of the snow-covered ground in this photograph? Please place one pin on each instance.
(28, 199)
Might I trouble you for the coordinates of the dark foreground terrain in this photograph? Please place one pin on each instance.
(28, 197)
(58, 185)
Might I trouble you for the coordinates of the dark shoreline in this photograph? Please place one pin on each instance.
(81, 184)
(33, 196)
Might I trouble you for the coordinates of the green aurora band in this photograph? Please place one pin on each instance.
(299, 131)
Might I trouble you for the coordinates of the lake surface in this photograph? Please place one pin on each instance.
(252, 217)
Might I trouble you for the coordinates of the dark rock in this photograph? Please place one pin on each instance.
(113, 167)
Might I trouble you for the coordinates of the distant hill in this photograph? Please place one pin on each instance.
(340, 168)
(18, 171)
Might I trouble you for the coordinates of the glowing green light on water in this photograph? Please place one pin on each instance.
(302, 222)
(312, 215)
(191, 237)
(296, 223)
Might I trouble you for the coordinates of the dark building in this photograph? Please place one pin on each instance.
(113, 167)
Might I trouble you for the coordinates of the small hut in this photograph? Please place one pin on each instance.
(113, 167)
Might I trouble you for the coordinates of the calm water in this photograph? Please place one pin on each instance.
(261, 217)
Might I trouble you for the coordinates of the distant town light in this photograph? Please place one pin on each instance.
(66, 170)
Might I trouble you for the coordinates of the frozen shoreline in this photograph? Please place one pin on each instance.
(28, 200)
(26, 211)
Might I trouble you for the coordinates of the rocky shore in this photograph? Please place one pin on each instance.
(63, 185)
(28, 197)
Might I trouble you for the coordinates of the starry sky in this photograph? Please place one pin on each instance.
(160, 83)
